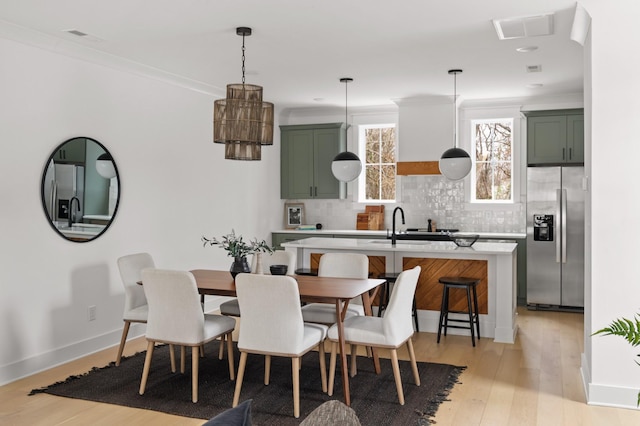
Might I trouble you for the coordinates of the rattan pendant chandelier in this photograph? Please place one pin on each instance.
(242, 121)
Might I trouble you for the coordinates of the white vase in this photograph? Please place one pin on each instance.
(258, 269)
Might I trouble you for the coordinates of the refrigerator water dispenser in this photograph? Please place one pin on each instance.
(542, 227)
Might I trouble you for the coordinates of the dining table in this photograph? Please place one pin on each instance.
(338, 291)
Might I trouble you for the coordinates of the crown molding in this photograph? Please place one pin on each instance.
(86, 53)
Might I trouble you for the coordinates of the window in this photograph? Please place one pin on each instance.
(378, 143)
(492, 173)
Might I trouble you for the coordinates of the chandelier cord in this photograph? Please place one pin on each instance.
(243, 49)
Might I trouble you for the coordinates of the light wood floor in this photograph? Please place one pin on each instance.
(535, 381)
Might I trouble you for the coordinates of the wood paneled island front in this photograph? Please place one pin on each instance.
(494, 263)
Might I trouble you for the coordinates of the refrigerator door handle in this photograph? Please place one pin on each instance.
(558, 215)
(564, 226)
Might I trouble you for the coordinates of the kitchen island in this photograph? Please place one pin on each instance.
(494, 263)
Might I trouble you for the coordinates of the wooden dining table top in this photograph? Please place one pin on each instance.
(311, 287)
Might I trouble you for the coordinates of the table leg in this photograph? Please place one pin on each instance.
(366, 302)
(343, 354)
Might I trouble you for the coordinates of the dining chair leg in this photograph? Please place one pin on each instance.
(396, 375)
(332, 367)
(354, 356)
(183, 354)
(172, 358)
(295, 371)
(232, 373)
(414, 364)
(267, 369)
(195, 361)
(201, 352)
(123, 340)
(241, 367)
(323, 367)
(221, 351)
(147, 366)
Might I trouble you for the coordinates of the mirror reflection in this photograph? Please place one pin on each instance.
(80, 189)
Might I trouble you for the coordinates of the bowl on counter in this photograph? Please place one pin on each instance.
(464, 240)
(278, 269)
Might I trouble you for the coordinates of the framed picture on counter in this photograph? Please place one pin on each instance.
(293, 215)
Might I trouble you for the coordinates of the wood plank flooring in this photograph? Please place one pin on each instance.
(535, 381)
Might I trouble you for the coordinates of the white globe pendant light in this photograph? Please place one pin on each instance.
(346, 166)
(455, 162)
(105, 167)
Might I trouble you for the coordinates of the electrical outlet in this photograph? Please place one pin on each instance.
(91, 310)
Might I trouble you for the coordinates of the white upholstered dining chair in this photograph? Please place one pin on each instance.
(135, 301)
(278, 257)
(272, 325)
(339, 265)
(176, 318)
(391, 331)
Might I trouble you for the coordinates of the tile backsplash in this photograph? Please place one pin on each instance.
(423, 198)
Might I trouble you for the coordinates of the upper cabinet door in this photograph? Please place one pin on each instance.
(555, 138)
(575, 138)
(326, 146)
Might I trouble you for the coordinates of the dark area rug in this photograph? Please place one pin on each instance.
(373, 397)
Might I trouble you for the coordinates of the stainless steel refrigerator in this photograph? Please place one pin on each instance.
(555, 238)
(61, 183)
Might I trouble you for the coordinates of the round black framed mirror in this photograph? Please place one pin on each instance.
(80, 189)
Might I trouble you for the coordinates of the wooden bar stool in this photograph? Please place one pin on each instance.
(469, 285)
(386, 292)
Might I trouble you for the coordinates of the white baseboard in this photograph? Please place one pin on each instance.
(36, 364)
(605, 395)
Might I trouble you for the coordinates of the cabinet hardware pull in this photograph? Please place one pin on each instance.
(311, 191)
(570, 153)
(316, 188)
(563, 156)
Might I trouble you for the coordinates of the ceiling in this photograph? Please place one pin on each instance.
(300, 49)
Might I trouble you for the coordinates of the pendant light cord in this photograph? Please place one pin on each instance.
(243, 58)
(346, 121)
(455, 111)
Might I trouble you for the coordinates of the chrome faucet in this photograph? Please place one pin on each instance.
(393, 230)
(71, 214)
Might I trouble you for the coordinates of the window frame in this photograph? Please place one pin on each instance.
(372, 117)
(474, 163)
(471, 114)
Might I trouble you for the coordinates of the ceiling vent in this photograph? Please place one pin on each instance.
(528, 26)
(534, 68)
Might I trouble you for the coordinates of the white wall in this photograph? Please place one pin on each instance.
(175, 187)
(611, 372)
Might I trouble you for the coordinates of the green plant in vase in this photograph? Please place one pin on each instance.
(629, 329)
(239, 249)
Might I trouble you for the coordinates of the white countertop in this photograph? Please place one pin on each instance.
(78, 230)
(383, 233)
(401, 246)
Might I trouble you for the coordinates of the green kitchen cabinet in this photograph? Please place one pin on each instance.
(72, 152)
(306, 154)
(555, 137)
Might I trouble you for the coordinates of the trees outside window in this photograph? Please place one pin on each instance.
(493, 160)
(379, 143)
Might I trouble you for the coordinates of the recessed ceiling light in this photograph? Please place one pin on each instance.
(318, 99)
(526, 49)
(534, 85)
